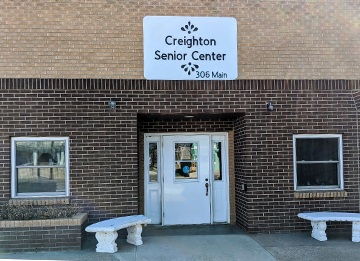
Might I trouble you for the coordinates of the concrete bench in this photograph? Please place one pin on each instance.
(106, 232)
(318, 223)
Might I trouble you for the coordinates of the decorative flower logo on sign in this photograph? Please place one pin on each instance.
(189, 28)
(189, 67)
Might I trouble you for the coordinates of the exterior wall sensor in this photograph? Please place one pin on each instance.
(269, 106)
(112, 105)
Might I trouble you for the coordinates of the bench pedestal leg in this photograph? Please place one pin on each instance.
(106, 242)
(134, 235)
(318, 231)
(355, 231)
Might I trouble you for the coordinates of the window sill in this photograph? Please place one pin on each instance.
(320, 194)
(39, 201)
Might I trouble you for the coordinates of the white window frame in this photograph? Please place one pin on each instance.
(14, 193)
(340, 185)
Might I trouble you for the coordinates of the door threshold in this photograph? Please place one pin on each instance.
(191, 230)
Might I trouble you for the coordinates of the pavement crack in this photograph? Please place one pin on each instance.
(136, 249)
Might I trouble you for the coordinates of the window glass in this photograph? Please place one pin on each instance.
(185, 151)
(153, 168)
(317, 149)
(186, 155)
(36, 153)
(317, 174)
(40, 180)
(317, 162)
(186, 170)
(40, 166)
(217, 161)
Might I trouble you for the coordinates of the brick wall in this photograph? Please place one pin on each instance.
(308, 39)
(43, 235)
(104, 174)
(201, 123)
(239, 163)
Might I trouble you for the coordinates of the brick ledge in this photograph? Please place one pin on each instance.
(320, 194)
(39, 201)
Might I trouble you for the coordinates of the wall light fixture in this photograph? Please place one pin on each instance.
(269, 106)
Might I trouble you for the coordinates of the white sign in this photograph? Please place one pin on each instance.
(190, 48)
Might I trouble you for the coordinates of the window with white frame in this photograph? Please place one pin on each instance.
(40, 167)
(318, 162)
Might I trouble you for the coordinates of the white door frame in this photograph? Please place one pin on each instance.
(159, 185)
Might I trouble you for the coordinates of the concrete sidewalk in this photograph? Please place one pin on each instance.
(219, 242)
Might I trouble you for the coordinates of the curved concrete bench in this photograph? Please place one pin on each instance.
(106, 232)
(318, 223)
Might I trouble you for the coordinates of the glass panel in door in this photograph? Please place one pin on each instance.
(186, 160)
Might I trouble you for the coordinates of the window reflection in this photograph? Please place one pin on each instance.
(40, 166)
(217, 161)
(40, 180)
(36, 153)
(153, 170)
(186, 155)
(185, 151)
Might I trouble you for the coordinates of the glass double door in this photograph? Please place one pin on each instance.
(190, 186)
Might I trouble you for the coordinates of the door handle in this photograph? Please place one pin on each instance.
(207, 188)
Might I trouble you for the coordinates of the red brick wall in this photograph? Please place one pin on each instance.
(104, 173)
(212, 124)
